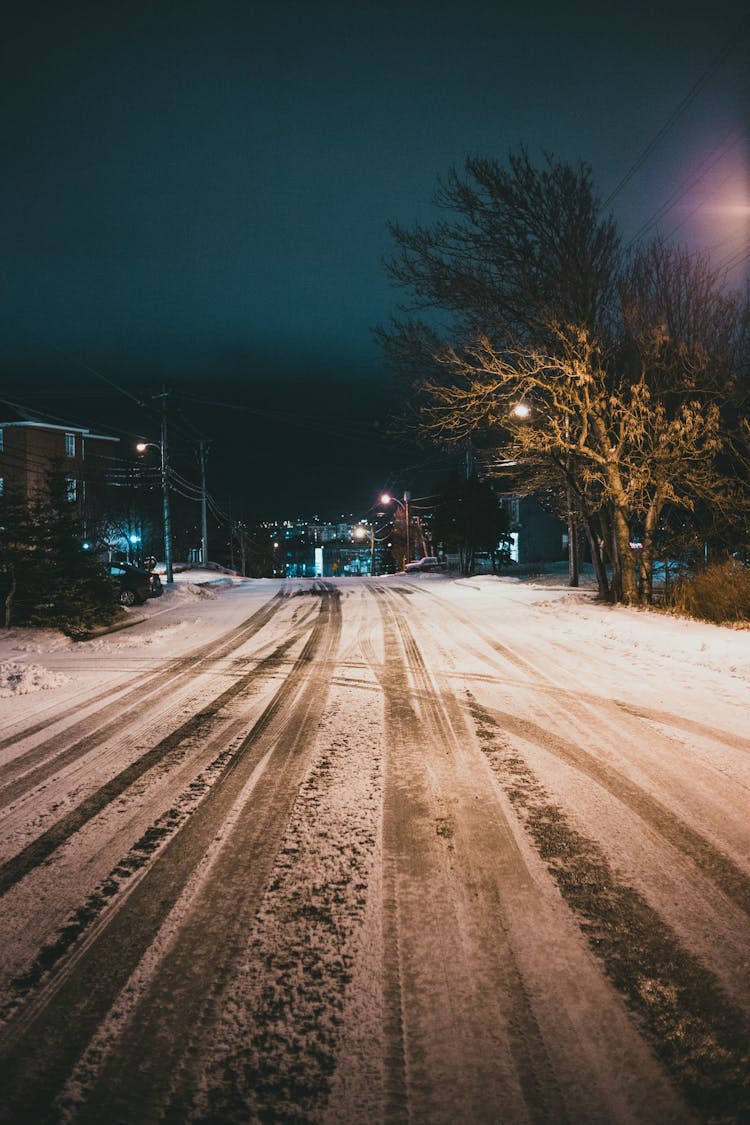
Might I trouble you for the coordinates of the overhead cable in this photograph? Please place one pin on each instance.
(737, 35)
(722, 149)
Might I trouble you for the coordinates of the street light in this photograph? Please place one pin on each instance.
(386, 498)
(359, 533)
(522, 410)
(202, 448)
(141, 447)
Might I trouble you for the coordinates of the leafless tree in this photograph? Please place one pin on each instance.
(635, 372)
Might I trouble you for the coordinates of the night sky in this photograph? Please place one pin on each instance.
(197, 194)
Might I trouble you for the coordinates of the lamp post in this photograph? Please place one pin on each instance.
(204, 519)
(142, 446)
(133, 541)
(573, 546)
(386, 498)
(522, 411)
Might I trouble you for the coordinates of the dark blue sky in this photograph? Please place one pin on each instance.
(198, 192)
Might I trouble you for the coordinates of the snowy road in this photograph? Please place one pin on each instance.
(397, 850)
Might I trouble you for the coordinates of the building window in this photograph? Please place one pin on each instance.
(70, 445)
(71, 488)
(1, 479)
(2, 432)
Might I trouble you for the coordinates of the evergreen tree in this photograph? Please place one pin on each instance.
(468, 519)
(48, 578)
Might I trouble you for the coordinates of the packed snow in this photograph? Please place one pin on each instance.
(494, 818)
(647, 643)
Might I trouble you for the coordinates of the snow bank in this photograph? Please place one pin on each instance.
(23, 679)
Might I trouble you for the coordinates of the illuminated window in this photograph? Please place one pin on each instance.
(71, 488)
(2, 431)
(1, 479)
(70, 445)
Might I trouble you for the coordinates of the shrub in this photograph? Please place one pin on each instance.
(720, 593)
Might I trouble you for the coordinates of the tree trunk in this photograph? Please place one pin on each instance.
(10, 595)
(573, 552)
(648, 549)
(625, 578)
(628, 579)
(597, 558)
(646, 571)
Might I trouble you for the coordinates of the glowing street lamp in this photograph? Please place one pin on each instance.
(386, 498)
(359, 533)
(522, 411)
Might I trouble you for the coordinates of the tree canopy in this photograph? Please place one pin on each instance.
(632, 369)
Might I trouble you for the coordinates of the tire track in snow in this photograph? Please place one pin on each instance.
(726, 875)
(41, 1045)
(33, 767)
(680, 722)
(546, 683)
(198, 726)
(464, 1043)
(216, 749)
(714, 864)
(300, 1039)
(700, 1036)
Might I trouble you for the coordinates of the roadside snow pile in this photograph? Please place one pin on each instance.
(189, 589)
(23, 679)
(674, 640)
(32, 640)
(659, 644)
(166, 635)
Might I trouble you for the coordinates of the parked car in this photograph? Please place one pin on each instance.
(429, 562)
(136, 585)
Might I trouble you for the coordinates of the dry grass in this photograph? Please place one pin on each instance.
(720, 593)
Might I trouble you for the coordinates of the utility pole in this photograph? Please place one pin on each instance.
(204, 520)
(469, 463)
(243, 545)
(573, 547)
(407, 497)
(165, 489)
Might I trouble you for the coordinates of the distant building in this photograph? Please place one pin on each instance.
(536, 535)
(306, 558)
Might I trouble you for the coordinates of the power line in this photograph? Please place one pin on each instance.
(98, 375)
(686, 185)
(735, 38)
(302, 420)
(733, 260)
(697, 208)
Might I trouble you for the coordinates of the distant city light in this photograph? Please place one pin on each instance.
(521, 410)
(134, 538)
(86, 545)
